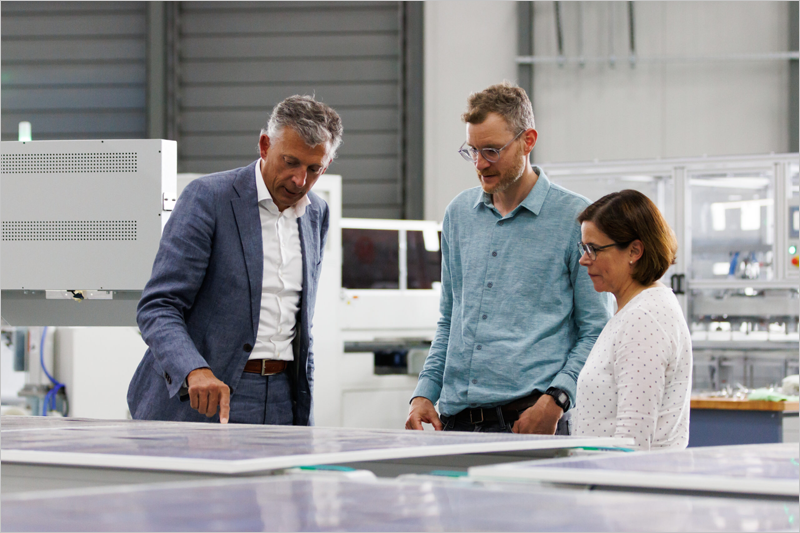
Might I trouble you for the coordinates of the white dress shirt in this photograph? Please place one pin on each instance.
(638, 377)
(282, 283)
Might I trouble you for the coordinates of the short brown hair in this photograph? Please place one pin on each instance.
(629, 215)
(507, 100)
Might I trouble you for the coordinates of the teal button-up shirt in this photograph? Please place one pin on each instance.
(518, 312)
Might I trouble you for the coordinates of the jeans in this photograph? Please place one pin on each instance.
(262, 400)
(449, 423)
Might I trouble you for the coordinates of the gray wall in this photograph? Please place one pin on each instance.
(459, 60)
(663, 109)
(87, 69)
(75, 70)
(238, 59)
(621, 113)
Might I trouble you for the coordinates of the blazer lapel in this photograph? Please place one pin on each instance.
(248, 222)
(307, 226)
(308, 244)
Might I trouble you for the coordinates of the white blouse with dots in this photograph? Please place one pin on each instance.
(638, 377)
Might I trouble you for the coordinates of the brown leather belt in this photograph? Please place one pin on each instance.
(265, 367)
(510, 411)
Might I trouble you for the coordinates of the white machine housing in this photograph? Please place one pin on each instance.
(81, 224)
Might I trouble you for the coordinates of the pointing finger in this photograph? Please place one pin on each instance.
(225, 406)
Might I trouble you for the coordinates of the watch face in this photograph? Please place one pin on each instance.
(562, 398)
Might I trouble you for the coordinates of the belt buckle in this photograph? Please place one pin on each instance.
(473, 421)
(263, 369)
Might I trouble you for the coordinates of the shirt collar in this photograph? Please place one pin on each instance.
(263, 193)
(533, 202)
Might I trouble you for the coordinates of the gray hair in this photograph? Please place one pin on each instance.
(315, 122)
(507, 100)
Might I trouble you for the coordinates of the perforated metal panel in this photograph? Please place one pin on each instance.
(83, 214)
(238, 59)
(69, 230)
(69, 163)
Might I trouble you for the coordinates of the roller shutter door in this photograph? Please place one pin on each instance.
(236, 60)
(74, 70)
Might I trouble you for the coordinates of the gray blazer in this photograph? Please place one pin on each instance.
(201, 305)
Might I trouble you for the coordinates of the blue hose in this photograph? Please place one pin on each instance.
(50, 397)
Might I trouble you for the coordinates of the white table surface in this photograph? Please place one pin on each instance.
(750, 469)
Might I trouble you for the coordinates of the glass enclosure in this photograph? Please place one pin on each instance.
(733, 225)
(737, 220)
(391, 254)
(657, 184)
(658, 187)
(370, 259)
(424, 264)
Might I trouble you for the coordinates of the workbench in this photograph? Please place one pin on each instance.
(721, 421)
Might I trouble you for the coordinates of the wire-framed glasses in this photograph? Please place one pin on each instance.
(490, 154)
(592, 249)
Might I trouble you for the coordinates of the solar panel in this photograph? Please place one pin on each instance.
(310, 503)
(235, 449)
(752, 469)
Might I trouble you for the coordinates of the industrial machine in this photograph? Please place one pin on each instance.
(736, 275)
(81, 225)
(388, 310)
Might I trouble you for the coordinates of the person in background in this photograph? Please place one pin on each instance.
(637, 380)
(518, 314)
(227, 312)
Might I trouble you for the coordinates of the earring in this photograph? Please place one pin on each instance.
(630, 262)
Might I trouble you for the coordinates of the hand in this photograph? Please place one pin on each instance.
(541, 418)
(422, 410)
(206, 392)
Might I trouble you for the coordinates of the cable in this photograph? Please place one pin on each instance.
(50, 397)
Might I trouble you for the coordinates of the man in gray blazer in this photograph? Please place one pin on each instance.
(228, 310)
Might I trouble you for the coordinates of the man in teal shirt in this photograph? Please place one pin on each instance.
(519, 315)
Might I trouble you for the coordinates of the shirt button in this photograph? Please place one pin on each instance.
(474, 381)
(489, 284)
(494, 254)
(500, 223)
(479, 347)
(484, 317)
(247, 347)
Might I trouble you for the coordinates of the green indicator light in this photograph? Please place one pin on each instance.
(25, 132)
(793, 249)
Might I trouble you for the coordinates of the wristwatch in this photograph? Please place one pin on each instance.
(561, 397)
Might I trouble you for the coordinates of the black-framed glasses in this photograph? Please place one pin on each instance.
(591, 249)
(490, 154)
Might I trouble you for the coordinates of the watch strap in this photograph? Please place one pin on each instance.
(561, 397)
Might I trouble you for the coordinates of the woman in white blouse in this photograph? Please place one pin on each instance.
(637, 379)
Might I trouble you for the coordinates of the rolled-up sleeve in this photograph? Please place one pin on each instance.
(430, 378)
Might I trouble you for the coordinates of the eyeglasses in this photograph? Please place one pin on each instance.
(591, 250)
(490, 154)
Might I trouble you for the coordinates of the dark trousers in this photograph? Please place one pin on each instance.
(502, 425)
(262, 400)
